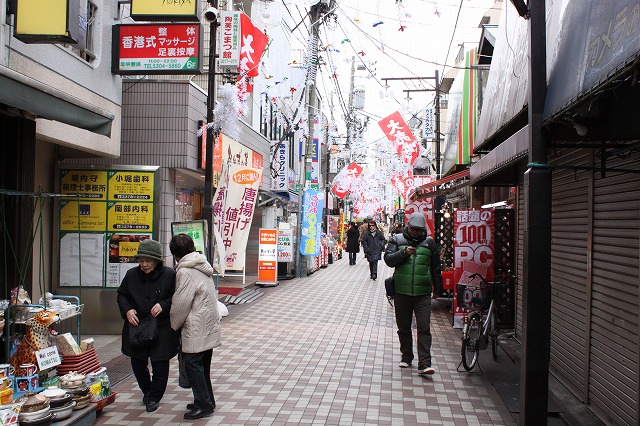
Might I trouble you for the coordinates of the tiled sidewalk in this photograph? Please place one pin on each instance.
(323, 350)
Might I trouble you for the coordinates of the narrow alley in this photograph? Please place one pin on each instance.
(324, 350)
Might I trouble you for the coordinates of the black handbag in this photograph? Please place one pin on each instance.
(390, 289)
(145, 333)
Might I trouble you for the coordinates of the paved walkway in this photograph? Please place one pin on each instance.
(323, 350)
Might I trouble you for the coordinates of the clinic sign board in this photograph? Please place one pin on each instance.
(156, 49)
(165, 10)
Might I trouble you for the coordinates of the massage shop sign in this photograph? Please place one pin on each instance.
(473, 247)
(104, 215)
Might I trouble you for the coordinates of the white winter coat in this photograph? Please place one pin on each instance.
(194, 307)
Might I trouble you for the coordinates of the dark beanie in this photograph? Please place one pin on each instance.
(150, 249)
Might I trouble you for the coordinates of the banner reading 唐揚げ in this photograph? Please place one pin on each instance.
(313, 202)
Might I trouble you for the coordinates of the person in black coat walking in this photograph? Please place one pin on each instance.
(146, 290)
(353, 244)
(373, 243)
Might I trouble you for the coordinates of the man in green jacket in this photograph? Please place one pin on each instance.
(418, 278)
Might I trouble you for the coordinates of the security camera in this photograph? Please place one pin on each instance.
(211, 14)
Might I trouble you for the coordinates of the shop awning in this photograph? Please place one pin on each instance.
(28, 94)
(433, 189)
(499, 167)
(284, 195)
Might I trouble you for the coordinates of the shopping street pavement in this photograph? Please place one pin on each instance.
(323, 350)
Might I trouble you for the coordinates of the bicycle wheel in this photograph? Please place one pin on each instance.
(470, 345)
(494, 331)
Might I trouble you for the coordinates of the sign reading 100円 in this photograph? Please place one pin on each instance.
(102, 220)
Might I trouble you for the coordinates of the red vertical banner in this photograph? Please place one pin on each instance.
(473, 246)
(268, 257)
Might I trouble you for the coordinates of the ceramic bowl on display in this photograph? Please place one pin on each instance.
(81, 401)
(79, 391)
(33, 415)
(59, 402)
(53, 392)
(72, 379)
(33, 403)
(42, 421)
(65, 411)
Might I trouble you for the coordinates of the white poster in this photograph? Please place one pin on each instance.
(233, 207)
(428, 124)
(89, 265)
(229, 39)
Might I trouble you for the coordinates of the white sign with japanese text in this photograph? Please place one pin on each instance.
(229, 39)
(233, 207)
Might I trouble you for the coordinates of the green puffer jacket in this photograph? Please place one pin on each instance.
(418, 274)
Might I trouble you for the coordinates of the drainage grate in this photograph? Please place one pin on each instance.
(118, 369)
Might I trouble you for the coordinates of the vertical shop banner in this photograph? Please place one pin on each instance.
(313, 201)
(267, 257)
(233, 206)
(281, 164)
(314, 177)
(103, 218)
(473, 247)
(401, 137)
(334, 225)
(229, 39)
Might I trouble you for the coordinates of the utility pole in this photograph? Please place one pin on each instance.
(207, 208)
(305, 168)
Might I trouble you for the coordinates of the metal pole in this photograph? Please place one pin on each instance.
(437, 112)
(536, 330)
(207, 208)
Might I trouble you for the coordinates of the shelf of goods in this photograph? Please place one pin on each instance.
(69, 307)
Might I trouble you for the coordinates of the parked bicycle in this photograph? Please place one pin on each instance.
(480, 319)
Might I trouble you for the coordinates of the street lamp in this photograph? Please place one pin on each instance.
(211, 15)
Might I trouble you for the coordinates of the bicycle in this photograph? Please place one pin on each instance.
(478, 299)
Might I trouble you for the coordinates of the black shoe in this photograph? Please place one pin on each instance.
(198, 414)
(152, 406)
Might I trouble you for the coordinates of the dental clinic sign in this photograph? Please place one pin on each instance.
(156, 49)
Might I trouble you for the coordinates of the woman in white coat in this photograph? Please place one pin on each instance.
(194, 311)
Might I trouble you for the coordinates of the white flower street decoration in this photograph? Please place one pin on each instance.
(226, 113)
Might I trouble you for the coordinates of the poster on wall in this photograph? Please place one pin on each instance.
(102, 219)
(473, 246)
(233, 206)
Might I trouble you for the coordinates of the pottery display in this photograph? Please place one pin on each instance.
(34, 415)
(42, 421)
(72, 379)
(65, 411)
(32, 403)
(60, 401)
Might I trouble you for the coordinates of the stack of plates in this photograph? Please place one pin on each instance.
(86, 362)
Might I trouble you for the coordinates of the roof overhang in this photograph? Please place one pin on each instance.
(500, 166)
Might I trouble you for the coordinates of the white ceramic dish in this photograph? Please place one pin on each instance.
(34, 415)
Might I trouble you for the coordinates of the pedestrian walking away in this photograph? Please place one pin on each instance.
(146, 291)
(417, 279)
(373, 243)
(353, 244)
(195, 313)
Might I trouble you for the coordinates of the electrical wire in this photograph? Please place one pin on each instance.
(453, 34)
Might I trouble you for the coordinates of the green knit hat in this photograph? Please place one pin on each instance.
(150, 249)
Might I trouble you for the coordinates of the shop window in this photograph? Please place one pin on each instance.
(86, 47)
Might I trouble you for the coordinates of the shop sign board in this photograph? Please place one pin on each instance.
(48, 358)
(230, 38)
(47, 21)
(103, 217)
(473, 246)
(227, 150)
(281, 181)
(285, 245)
(268, 257)
(156, 49)
(196, 229)
(165, 10)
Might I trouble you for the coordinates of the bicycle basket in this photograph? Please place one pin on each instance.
(474, 296)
